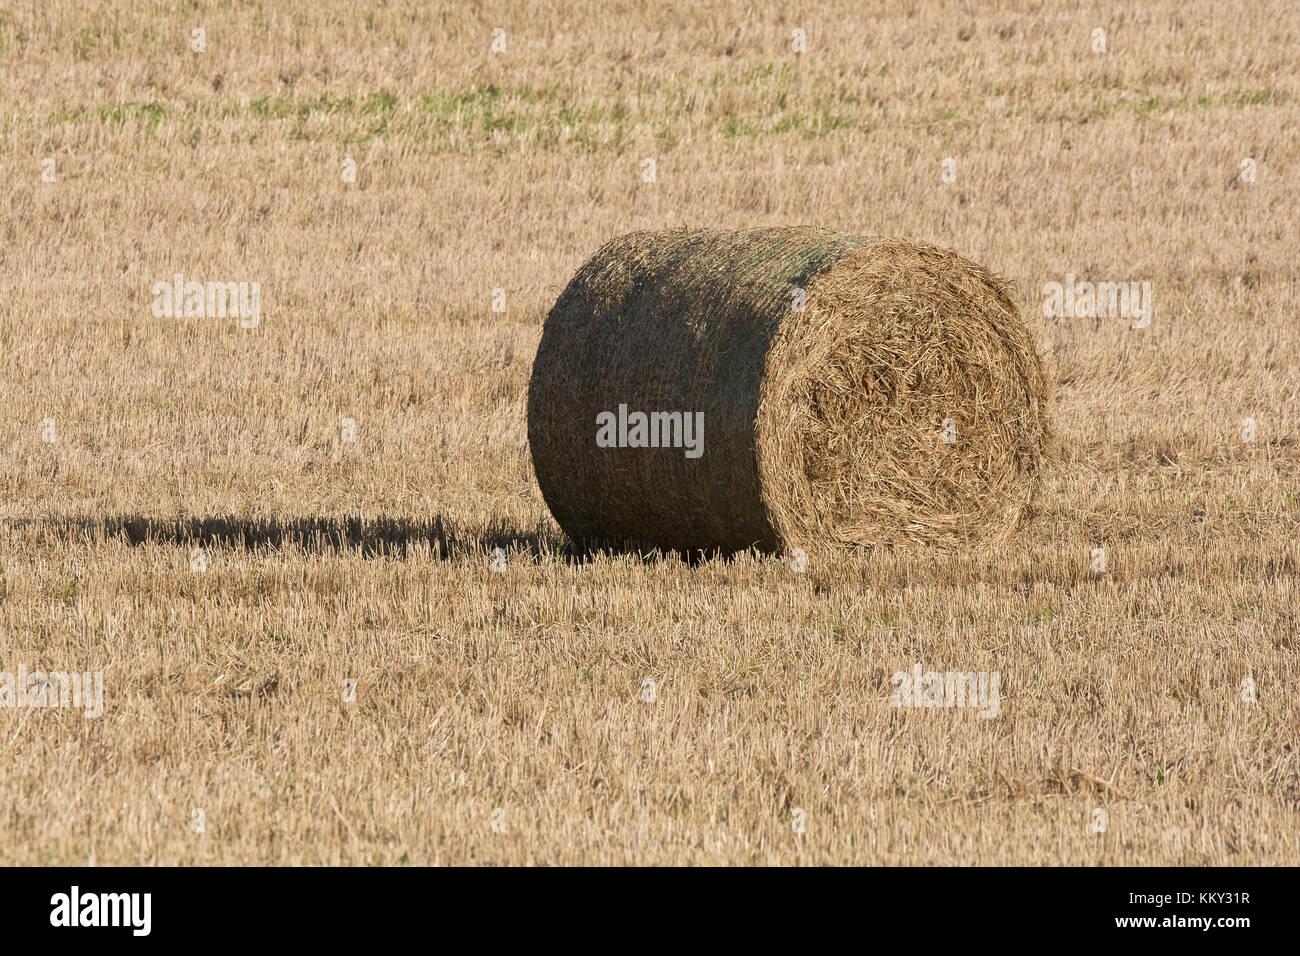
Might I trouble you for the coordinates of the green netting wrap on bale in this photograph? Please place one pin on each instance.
(853, 392)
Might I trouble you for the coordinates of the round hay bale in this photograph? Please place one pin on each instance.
(853, 392)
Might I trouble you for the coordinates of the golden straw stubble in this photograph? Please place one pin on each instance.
(851, 392)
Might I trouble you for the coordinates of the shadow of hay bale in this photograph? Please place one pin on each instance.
(371, 537)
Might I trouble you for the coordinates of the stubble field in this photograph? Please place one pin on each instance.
(276, 542)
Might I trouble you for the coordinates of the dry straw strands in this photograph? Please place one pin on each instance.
(855, 392)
